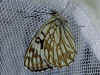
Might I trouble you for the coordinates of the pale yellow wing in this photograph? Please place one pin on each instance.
(34, 58)
(33, 61)
(52, 46)
(59, 45)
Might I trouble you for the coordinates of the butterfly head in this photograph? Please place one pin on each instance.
(58, 16)
(54, 13)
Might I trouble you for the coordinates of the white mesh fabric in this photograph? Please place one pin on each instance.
(16, 32)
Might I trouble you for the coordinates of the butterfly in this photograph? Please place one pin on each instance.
(53, 46)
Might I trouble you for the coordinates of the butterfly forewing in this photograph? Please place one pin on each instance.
(59, 46)
(52, 46)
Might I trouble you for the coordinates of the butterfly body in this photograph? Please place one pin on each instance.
(52, 46)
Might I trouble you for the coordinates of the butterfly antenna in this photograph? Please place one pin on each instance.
(52, 12)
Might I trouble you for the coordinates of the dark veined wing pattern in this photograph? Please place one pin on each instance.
(52, 46)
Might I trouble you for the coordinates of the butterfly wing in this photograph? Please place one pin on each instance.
(52, 46)
(33, 60)
(59, 45)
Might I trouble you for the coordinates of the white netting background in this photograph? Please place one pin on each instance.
(16, 32)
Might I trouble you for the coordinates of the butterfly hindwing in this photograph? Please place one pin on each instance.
(34, 61)
(34, 58)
